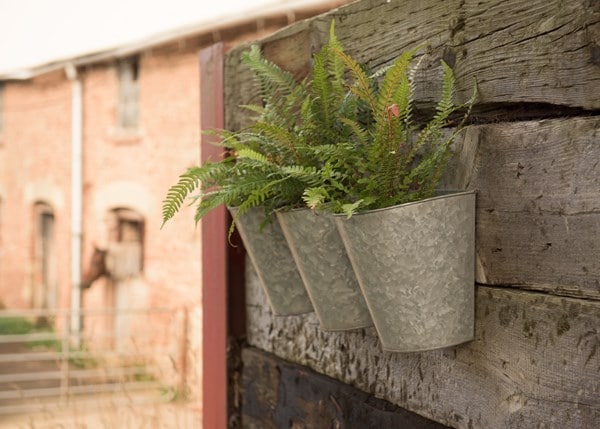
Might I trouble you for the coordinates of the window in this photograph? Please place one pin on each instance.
(44, 294)
(125, 258)
(129, 90)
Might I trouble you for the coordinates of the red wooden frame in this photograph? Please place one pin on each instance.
(214, 252)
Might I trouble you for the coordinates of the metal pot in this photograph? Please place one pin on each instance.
(415, 265)
(325, 269)
(273, 262)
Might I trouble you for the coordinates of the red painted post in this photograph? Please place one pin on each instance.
(214, 251)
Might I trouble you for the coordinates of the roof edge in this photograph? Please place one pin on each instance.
(288, 11)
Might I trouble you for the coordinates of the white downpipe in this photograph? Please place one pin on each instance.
(76, 196)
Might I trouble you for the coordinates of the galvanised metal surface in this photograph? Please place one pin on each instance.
(415, 265)
(273, 263)
(324, 266)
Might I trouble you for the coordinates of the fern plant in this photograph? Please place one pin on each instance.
(394, 159)
(342, 138)
(285, 151)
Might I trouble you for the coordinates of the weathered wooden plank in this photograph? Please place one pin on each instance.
(538, 203)
(534, 362)
(532, 51)
(280, 394)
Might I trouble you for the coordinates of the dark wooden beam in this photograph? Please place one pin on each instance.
(520, 51)
(281, 394)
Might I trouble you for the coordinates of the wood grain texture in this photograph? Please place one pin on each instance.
(214, 252)
(520, 51)
(535, 361)
(538, 203)
(533, 364)
(279, 394)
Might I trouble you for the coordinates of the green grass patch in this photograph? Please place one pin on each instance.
(18, 325)
(15, 326)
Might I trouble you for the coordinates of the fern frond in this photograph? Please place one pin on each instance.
(268, 75)
(351, 208)
(412, 73)
(328, 91)
(362, 85)
(336, 66)
(187, 183)
(282, 138)
(258, 196)
(281, 94)
(260, 110)
(176, 195)
(361, 134)
(395, 84)
(300, 171)
(444, 108)
(446, 104)
(315, 197)
(252, 154)
(322, 92)
(209, 202)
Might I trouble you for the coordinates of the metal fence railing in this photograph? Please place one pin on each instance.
(122, 356)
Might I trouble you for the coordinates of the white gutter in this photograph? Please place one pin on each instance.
(76, 195)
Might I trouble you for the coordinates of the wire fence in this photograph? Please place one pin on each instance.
(122, 356)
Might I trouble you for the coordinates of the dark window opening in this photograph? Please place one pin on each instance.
(129, 90)
(44, 287)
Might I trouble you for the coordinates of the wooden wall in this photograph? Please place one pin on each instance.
(533, 155)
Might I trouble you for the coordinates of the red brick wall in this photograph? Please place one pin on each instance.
(35, 153)
(121, 170)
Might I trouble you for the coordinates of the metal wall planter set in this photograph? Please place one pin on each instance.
(408, 269)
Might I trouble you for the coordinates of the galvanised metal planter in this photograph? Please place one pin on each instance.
(324, 266)
(273, 263)
(415, 265)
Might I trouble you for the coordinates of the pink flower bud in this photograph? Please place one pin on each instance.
(394, 110)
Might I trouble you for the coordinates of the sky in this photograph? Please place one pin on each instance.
(34, 32)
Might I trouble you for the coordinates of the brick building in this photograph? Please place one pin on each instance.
(123, 168)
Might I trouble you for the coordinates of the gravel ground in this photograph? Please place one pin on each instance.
(156, 416)
(141, 410)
